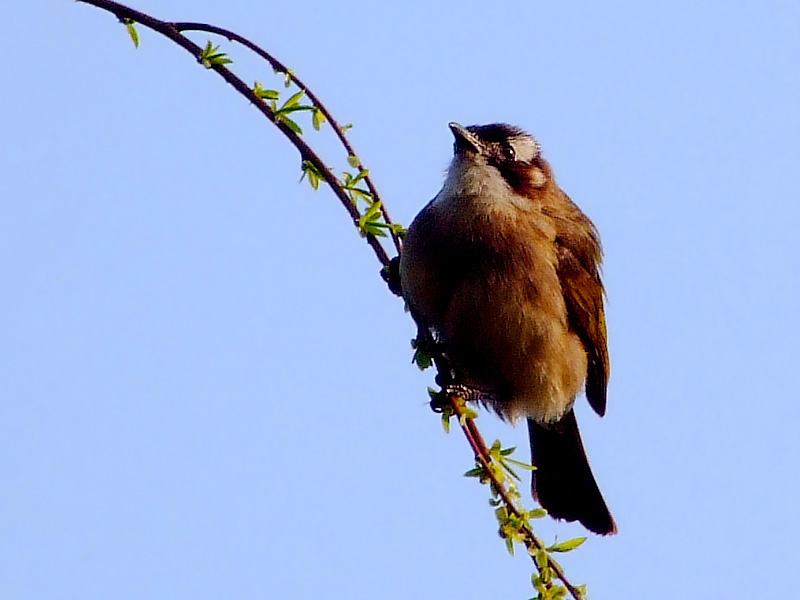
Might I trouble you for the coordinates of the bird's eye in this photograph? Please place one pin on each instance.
(509, 153)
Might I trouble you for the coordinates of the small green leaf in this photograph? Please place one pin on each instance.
(361, 175)
(369, 223)
(422, 358)
(292, 125)
(399, 230)
(294, 99)
(210, 56)
(288, 76)
(317, 118)
(130, 25)
(446, 409)
(313, 174)
(567, 546)
(510, 471)
(290, 109)
(264, 94)
(541, 558)
(446, 421)
(469, 413)
(357, 194)
(290, 106)
(520, 464)
(353, 161)
(510, 546)
(370, 228)
(557, 592)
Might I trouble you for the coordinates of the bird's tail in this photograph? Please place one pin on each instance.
(563, 482)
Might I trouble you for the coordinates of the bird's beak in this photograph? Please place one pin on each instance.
(465, 139)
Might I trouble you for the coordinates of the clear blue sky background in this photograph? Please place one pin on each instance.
(206, 389)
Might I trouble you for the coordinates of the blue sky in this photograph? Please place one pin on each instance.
(206, 389)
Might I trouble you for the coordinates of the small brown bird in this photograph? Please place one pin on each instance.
(504, 268)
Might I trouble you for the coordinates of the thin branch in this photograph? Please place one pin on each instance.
(482, 456)
(280, 67)
(478, 445)
(306, 153)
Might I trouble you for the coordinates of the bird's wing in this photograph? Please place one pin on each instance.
(583, 295)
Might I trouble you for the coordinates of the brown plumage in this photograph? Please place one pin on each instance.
(504, 267)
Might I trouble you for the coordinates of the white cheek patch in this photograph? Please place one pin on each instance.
(537, 177)
(526, 148)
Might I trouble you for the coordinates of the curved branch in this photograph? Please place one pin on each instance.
(280, 67)
(306, 153)
(478, 445)
(484, 458)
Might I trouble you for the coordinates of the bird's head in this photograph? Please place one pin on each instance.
(501, 151)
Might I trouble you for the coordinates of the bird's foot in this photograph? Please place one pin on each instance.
(465, 392)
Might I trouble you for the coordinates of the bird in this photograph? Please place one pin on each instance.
(504, 269)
